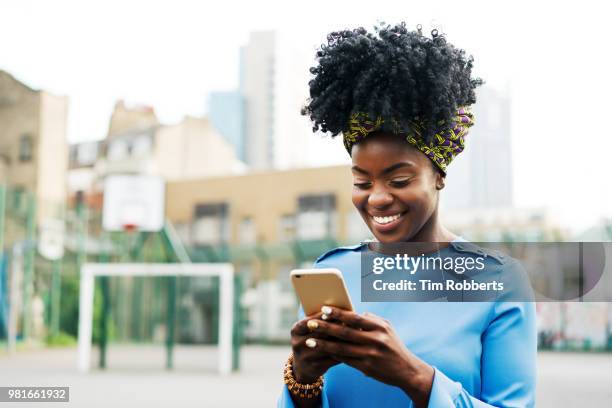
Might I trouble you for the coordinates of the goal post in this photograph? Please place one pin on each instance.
(225, 272)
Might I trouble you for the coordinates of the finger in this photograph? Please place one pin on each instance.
(364, 322)
(300, 328)
(339, 331)
(338, 348)
(327, 317)
(297, 342)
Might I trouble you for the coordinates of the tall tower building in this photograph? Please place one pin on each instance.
(274, 84)
(226, 111)
(481, 176)
(257, 85)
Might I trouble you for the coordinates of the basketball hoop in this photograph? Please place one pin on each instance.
(130, 228)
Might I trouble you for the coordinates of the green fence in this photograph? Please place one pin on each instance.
(127, 309)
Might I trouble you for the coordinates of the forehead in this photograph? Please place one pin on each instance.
(381, 150)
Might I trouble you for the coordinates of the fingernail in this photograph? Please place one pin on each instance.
(312, 343)
(327, 310)
(324, 317)
(312, 324)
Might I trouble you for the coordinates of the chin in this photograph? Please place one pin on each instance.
(395, 236)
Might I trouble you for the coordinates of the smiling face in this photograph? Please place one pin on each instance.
(396, 189)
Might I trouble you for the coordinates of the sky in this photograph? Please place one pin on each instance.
(549, 56)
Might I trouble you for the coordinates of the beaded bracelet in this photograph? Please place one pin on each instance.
(301, 390)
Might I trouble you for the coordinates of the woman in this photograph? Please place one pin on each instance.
(401, 101)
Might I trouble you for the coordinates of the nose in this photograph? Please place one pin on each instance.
(380, 198)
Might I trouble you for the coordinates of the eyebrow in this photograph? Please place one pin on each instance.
(387, 170)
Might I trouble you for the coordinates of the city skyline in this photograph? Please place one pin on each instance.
(178, 55)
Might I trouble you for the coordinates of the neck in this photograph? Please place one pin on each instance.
(433, 231)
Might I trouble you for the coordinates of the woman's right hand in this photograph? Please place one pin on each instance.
(308, 362)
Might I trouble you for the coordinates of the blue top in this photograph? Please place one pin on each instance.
(483, 353)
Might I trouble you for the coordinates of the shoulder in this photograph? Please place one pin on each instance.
(501, 267)
(339, 252)
(493, 256)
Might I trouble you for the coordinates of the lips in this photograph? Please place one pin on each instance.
(386, 219)
(385, 223)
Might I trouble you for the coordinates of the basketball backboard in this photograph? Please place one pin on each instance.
(133, 202)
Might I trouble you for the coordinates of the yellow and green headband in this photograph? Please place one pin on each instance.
(445, 144)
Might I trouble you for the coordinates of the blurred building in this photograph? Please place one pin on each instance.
(257, 85)
(82, 160)
(503, 224)
(601, 232)
(305, 204)
(226, 111)
(274, 75)
(304, 213)
(137, 143)
(130, 119)
(33, 146)
(481, 176)
(580, 325)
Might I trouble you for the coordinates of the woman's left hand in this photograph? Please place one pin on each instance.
(368, 343)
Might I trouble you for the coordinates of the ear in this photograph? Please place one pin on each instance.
(440, 181)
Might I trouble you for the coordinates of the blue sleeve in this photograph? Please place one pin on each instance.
(285, 400)
(508, 362)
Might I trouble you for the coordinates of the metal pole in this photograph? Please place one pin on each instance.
(237, 332)
(2, 210)
(581, 271)
(2, 254)
(170, 321)
(105, 289)
(14, 296)
(86, 295)
(171, 252)
(81, 212)
(135, 254)
(28, 265)
(56, 282)
(104, 282)
(226, 299)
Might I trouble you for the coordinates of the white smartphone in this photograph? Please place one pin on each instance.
(320, 287)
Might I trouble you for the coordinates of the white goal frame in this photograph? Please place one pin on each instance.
(225, 271)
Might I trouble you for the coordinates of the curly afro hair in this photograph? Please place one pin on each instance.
(394, 73)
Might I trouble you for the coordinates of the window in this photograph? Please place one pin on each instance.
(87, 153)
(142, 145)
(118, 150)
(312, 225)
(211, 224)
(25, 148)
(316, 216)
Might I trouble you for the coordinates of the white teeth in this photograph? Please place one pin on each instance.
(386, 220)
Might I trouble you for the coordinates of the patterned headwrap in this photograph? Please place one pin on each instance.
(445, 144)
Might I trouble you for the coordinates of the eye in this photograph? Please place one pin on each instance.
(363, 185)
(399, 183)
